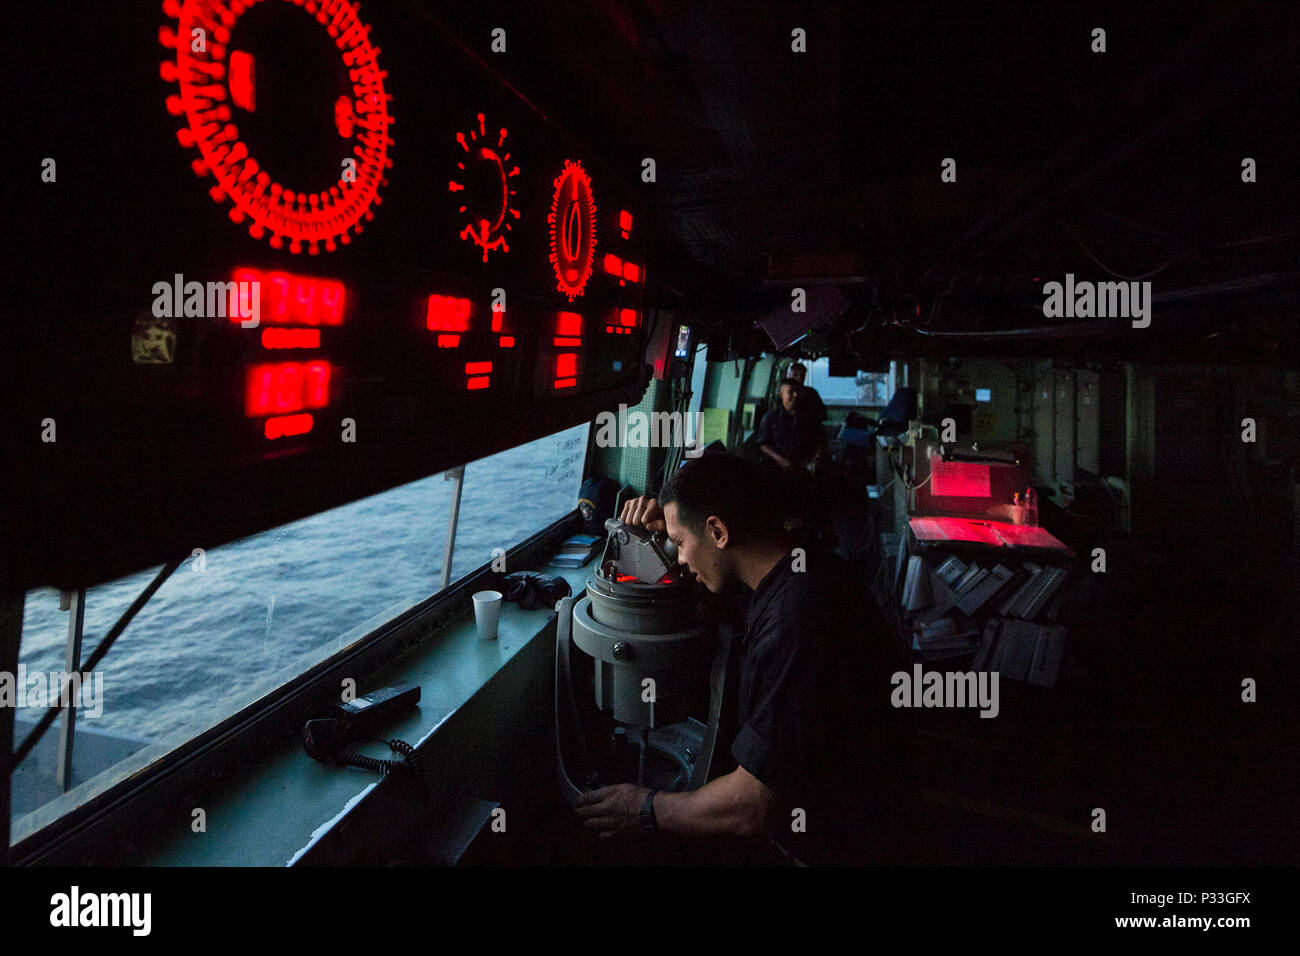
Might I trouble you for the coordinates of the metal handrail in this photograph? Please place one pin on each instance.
(72, 664)
(457, 475)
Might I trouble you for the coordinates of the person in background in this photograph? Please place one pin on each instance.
(789, 435)
(791, 441)
(807, 394)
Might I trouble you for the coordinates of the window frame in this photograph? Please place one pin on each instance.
(74, 836)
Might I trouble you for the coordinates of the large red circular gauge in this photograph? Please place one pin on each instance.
(483, 178)
(572, 222)
(284, 102)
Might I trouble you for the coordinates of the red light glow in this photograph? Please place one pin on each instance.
(276, 388)
(486, 225)
(290, 338)
(479, 373)
(627, 318)
(959, 479)
(288, 299)
(624, 270)
(568, 334)
(242, 89)
(273, 210)
(507, 341)
(285, 426)
(448, 341)
(447, 314)
(572, 228)
(625, 223)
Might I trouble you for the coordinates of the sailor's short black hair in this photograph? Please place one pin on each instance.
(727, 487)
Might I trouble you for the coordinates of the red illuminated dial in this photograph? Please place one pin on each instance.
(297, 141)
(484, 178)
(572, 223)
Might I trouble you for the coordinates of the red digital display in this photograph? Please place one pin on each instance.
(566, 370)
(286, 426)
(277, 388)
(504, 339)
(273, 338)
(568, 330)
(286, 299)
(624, 270)
(447, 314)
(479, 375)
(625, 223)
(627, 322)
(568, 334)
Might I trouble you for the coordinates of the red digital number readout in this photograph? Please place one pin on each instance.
(627, 321)
(479, 375)
(568, 334)
(275, 338)
(498, 319)
(450, 316)
(568, 330)
(277, 388)
(625, 271)
(285, 426)
(566, 370)
(286, 299)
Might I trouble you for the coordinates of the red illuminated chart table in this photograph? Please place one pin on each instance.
(935, 531)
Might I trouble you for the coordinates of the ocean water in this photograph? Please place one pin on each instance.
(228, 627)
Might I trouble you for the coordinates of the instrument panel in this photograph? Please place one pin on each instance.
(289, 253)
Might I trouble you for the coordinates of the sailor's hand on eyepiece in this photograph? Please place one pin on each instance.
(644, 512)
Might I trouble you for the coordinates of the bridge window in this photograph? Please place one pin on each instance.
(865, 388)
(234, 622)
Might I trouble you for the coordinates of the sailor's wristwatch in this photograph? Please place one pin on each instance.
(648, 821)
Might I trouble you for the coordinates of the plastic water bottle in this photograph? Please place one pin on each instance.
(1031, 507)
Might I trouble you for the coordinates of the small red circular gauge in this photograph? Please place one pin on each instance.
(572, 222)
(284, 102)
(483, 179)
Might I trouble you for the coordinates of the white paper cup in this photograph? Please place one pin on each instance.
(487, 611)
